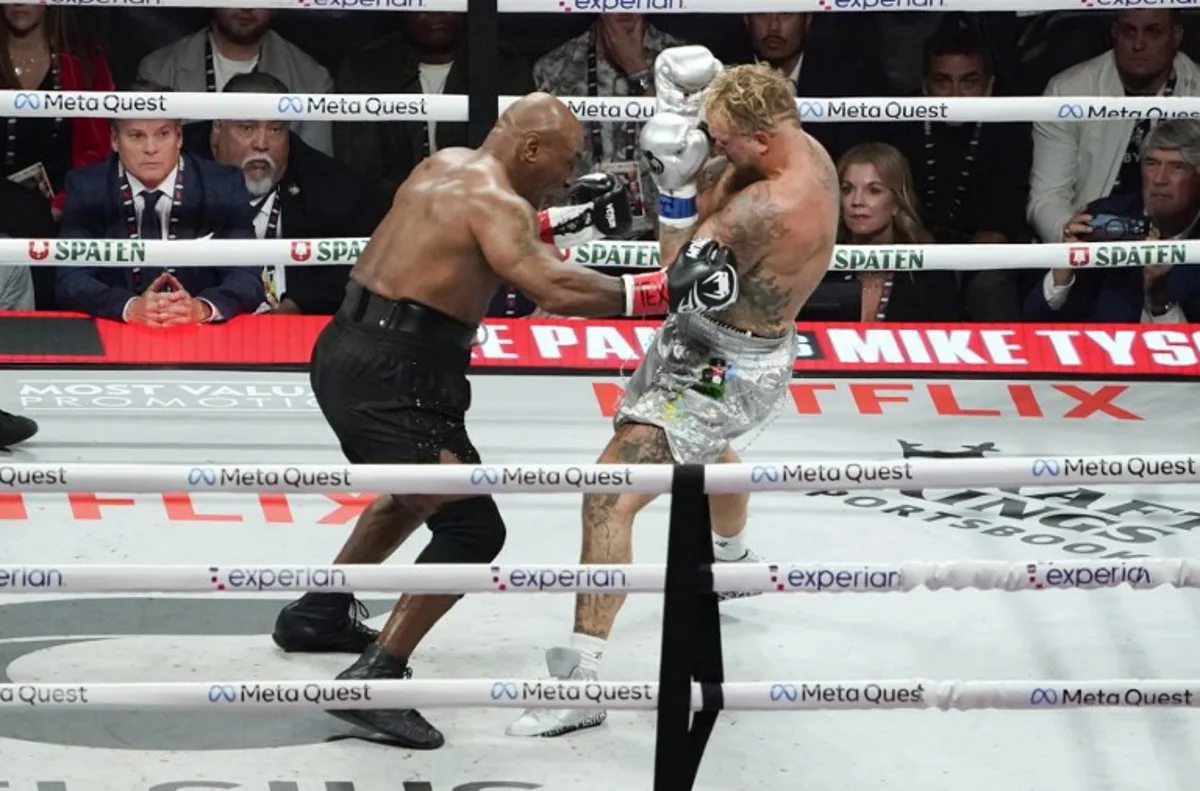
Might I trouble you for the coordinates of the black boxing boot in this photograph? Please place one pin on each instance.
(324, 623)
(405, 727)
(15, 429)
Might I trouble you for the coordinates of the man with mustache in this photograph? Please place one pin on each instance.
(241, 41)
(297, 192)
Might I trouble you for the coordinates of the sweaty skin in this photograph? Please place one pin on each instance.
(782, 229)
(465, 221)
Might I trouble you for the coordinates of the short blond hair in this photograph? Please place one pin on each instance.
(751, 98)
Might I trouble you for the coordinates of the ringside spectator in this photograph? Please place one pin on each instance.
(46, 50)
(1074, 162)
(879, 206)
(971, 178)
(26, 214)
(428, 56)
(149, 189)
(296, 192)
(785, 40)
(613, 57)
(1170, 201)
(241, 41)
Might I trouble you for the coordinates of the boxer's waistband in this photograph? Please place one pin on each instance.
(430, 326)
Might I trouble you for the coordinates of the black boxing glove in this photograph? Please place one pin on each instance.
(599, 207)
(703, 278)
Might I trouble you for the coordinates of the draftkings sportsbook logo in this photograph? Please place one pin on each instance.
(1079, 520)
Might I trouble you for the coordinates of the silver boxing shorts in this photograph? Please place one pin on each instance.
(705, 384)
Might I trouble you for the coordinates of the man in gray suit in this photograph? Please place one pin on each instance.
(239, 41)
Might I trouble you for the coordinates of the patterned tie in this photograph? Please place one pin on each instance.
(151, 225)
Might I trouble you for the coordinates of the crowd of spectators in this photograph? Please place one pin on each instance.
(913, 182)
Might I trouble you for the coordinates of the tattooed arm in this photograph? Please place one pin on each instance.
(782, 243)
(717, 182)
(506, 229)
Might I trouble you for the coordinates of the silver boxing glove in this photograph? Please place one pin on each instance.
(675, 150)
(681, 75)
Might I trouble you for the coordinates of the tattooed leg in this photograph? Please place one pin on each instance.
(608, 522)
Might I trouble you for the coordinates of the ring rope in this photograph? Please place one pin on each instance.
(558, 7)
(378, 107)
(123, 253)
(958, 575)
(791, 476)
(912, 693)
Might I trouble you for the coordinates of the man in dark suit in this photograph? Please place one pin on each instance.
(296, 192)
(429, 55)
(971, 179)
(149, 189)
(817, 67)
(1170, 202)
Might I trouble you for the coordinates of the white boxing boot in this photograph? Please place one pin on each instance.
(564, 664)
(733, 550)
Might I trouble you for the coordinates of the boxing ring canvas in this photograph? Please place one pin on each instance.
(194, 417)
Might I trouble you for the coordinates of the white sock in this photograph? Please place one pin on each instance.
(590, 650)
(729, 548)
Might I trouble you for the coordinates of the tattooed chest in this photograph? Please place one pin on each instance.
(765, 305)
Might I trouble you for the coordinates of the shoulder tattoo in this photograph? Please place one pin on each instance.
(751, 225)
(712, 173)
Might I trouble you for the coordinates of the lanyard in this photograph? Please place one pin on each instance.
(131, 219)
(210, 68)
(964, 175)
(10, 140)
(629, 130)
(272, 229)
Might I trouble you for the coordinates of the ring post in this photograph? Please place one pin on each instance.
(691, 637)
(483, 69)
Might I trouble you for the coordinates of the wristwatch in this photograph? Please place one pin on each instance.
(642, 80)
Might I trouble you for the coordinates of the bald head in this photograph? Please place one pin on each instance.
(542, 114)
(538, 138)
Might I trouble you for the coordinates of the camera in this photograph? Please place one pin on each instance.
(1117, 228)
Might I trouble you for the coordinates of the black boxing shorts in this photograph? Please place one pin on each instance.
(391, 379)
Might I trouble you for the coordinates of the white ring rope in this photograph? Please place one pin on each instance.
(912, 693)
(795, 476)
(958, 575)
(123, 253)
(651, 6)
(378, 107)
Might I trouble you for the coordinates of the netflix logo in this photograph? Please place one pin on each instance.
(967, 400)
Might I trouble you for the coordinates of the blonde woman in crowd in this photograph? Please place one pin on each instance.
(879, 207)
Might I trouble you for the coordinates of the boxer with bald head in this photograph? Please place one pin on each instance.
(389, 372)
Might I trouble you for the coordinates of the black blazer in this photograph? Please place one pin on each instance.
(321, 198)
(215, 202)
(26, 213)
(387, 151)
(1115, 295)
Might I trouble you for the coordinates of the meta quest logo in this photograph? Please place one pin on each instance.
(1078, 520)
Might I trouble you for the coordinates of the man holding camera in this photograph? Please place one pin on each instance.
(1167, 207)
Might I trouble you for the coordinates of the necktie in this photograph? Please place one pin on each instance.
(151, 225)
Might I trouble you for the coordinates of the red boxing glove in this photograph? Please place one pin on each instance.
(647, 294)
